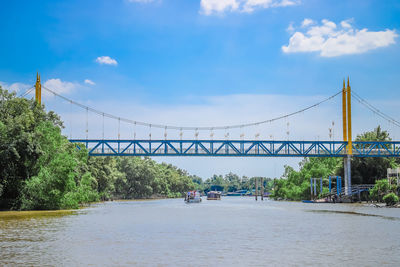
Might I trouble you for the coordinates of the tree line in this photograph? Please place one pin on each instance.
(230, 183)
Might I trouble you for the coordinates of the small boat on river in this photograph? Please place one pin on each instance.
(238, 193)
(233, 194)
(322, 200)
(193, 197)
(214, 195)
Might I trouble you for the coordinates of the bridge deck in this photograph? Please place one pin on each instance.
(237, 148)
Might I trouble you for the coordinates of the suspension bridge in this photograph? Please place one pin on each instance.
(195, 147)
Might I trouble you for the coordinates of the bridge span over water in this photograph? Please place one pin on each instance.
(237, 148)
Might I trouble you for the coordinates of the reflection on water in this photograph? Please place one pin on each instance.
(26, 215)
(356, 214)
(233, 231)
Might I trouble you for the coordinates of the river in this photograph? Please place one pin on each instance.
(231, 232)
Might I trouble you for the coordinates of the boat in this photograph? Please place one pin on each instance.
(321, 200)
(214, 195)
(237, 193)
(193, 197)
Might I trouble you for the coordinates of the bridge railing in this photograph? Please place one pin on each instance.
(240, 148)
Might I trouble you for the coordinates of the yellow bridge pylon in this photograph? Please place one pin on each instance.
(38, 90)
(346, 112)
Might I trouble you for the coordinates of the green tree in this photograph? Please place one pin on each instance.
(232, 182)
(368, 170)
(295, 185)
(198, 182)
(391, 199)
(215, 183)
(59, 182)
(106, 172)
(140, 177)
(19, 146)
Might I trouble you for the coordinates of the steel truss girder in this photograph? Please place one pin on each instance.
(236, 148)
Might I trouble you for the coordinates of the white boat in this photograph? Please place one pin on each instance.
(193, 197)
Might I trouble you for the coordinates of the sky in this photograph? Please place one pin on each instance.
(207, 63)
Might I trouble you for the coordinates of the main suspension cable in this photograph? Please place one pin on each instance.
(375, 110)
(192, 128)
(27, 91)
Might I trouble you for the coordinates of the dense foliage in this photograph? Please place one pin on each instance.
(39, 168)
(295, 185)
(380, 189)
(384, 191)
(390, 199)
(134, 177)
(62, 180)
(368, 170)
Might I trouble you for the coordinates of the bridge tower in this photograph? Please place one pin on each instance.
(347, 134)
(38, 89)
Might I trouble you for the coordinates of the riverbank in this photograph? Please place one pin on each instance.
(382, 205)
(363, 203)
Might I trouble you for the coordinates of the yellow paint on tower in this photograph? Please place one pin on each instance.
(344, 111)
(350, 145)
(38, 89)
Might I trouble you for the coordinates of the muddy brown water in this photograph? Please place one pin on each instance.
(236, 231)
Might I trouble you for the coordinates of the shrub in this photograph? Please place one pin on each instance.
(390, 199)
(380, 189)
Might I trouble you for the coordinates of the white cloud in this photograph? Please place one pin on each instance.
(106, 60)
(15, 87)
(60, 87)
(290, 28)
(307, 22)
(346, 23)
(56, 85)
(209, 7)
(331, 40)
(90, 82)
(250, 5)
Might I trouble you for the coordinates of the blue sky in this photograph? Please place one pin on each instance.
(167, 61)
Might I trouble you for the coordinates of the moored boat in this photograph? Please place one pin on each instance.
(214, 195)
(193, 197)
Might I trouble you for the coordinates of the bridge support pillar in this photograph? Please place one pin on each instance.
(347, 175)
(256, 187)
(262, 188)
